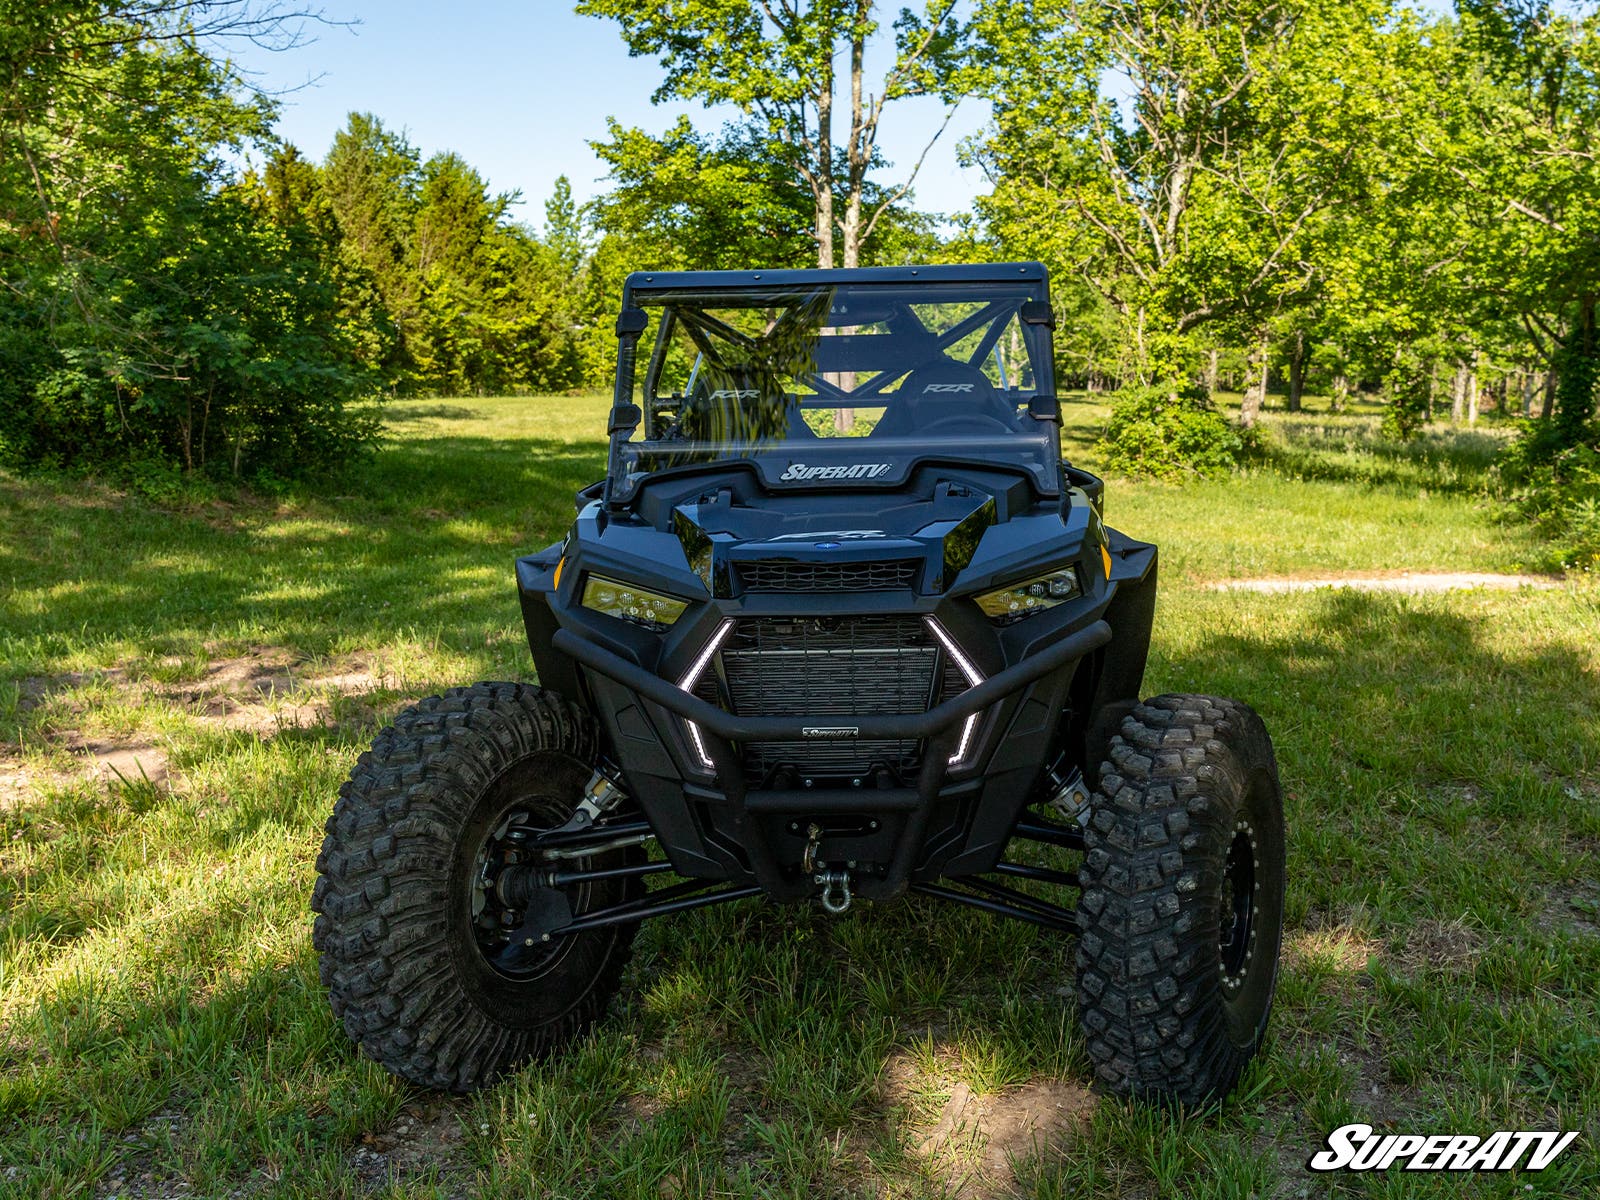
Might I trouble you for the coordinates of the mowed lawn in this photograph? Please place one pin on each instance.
(182, 690)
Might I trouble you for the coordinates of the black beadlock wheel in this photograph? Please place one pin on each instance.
(415, 941)
(1181, 909)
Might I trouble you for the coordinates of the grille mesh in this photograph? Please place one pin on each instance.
(839, 667)
(782, 575)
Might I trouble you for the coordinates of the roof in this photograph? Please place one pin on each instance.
(1026, 272)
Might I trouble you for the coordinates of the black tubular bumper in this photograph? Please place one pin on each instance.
(867, 726)
(755, 817)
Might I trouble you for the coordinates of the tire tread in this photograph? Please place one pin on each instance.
(380, 928)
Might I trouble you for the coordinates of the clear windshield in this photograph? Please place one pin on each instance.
(848, 382)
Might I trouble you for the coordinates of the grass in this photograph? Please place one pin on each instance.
(162, 1031)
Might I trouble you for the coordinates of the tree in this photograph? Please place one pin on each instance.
(685, 201)
(777, 61)
(154, 312)
(1180, 159)
(563, 226)
(371, 179)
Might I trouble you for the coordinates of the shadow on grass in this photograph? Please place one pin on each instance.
(422, 536)
(436, 412)
(1429, 772)
(1354, 451)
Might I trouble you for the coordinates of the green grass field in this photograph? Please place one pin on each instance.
(182, 690)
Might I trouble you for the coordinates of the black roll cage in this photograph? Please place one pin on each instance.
(697, 324)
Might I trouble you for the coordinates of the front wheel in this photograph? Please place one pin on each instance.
(420, 952)
(1181, 911)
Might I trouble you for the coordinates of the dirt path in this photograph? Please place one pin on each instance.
(1449, 581)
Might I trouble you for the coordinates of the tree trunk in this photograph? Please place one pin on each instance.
(1211, 373)
(822, 189)
(1472, 391)
(1297, 370)
(1458, 393)
(1527, 394)
(1341, 393)
(1256, 393)
(1549, 405)
(1433, 385)
(857, 152)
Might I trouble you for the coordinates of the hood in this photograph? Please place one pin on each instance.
(940, 524)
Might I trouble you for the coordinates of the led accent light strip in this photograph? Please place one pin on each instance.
(974, 678)
(693, 677)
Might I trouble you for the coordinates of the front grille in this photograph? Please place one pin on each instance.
(783, 575)
(816, 668)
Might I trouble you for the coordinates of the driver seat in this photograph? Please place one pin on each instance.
(938, 391)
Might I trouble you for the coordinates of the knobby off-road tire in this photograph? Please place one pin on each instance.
(400, 950)
(1181, 909)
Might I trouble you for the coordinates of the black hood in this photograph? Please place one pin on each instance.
(937, 518)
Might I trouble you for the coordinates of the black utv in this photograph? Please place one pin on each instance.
(839, 624)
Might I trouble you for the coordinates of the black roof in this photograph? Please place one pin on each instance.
(1025, 272)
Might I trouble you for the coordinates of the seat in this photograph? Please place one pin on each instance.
(944, 390)
(740, 406)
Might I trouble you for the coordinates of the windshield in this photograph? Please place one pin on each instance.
(840, 383)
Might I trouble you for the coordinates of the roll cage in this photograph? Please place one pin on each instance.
(942, 362)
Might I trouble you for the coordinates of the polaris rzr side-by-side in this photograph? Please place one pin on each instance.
(839, 624)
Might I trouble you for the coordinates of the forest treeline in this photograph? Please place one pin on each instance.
(1300, 195)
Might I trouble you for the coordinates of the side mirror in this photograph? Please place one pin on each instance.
(1044, 408)
(624, 418)
(1038, 312)
(631, 322)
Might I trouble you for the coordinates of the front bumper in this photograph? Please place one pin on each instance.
(886, 837)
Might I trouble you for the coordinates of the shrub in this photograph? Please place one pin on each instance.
(225, 356)
(1168, 431)
(1407, 387)
(1559, 492)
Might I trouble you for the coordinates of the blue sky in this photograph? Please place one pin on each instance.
(518, 89)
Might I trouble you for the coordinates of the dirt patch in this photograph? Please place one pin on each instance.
(1435, 945)
(34, 690)
(18, 781)
(976, 1142)
(424, 1138)
(268, 690)
(132, 763)
(139, 1173)
(1410, 584)
(1571, 910)
(260, 692)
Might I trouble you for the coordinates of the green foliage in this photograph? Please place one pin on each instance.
(158, 314)
(1552, 472)
(779, 66)
(1169, 431)
(1559, 492)
(686, 202)
(1406, 385)
(475, 302)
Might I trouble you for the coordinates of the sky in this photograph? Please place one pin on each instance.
(519, 89)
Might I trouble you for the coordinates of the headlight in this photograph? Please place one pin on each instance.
(629, 602)
(1030, 596)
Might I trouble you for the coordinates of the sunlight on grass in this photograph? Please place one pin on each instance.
(160, 1012)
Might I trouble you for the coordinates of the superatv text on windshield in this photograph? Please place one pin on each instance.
(852, 471)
